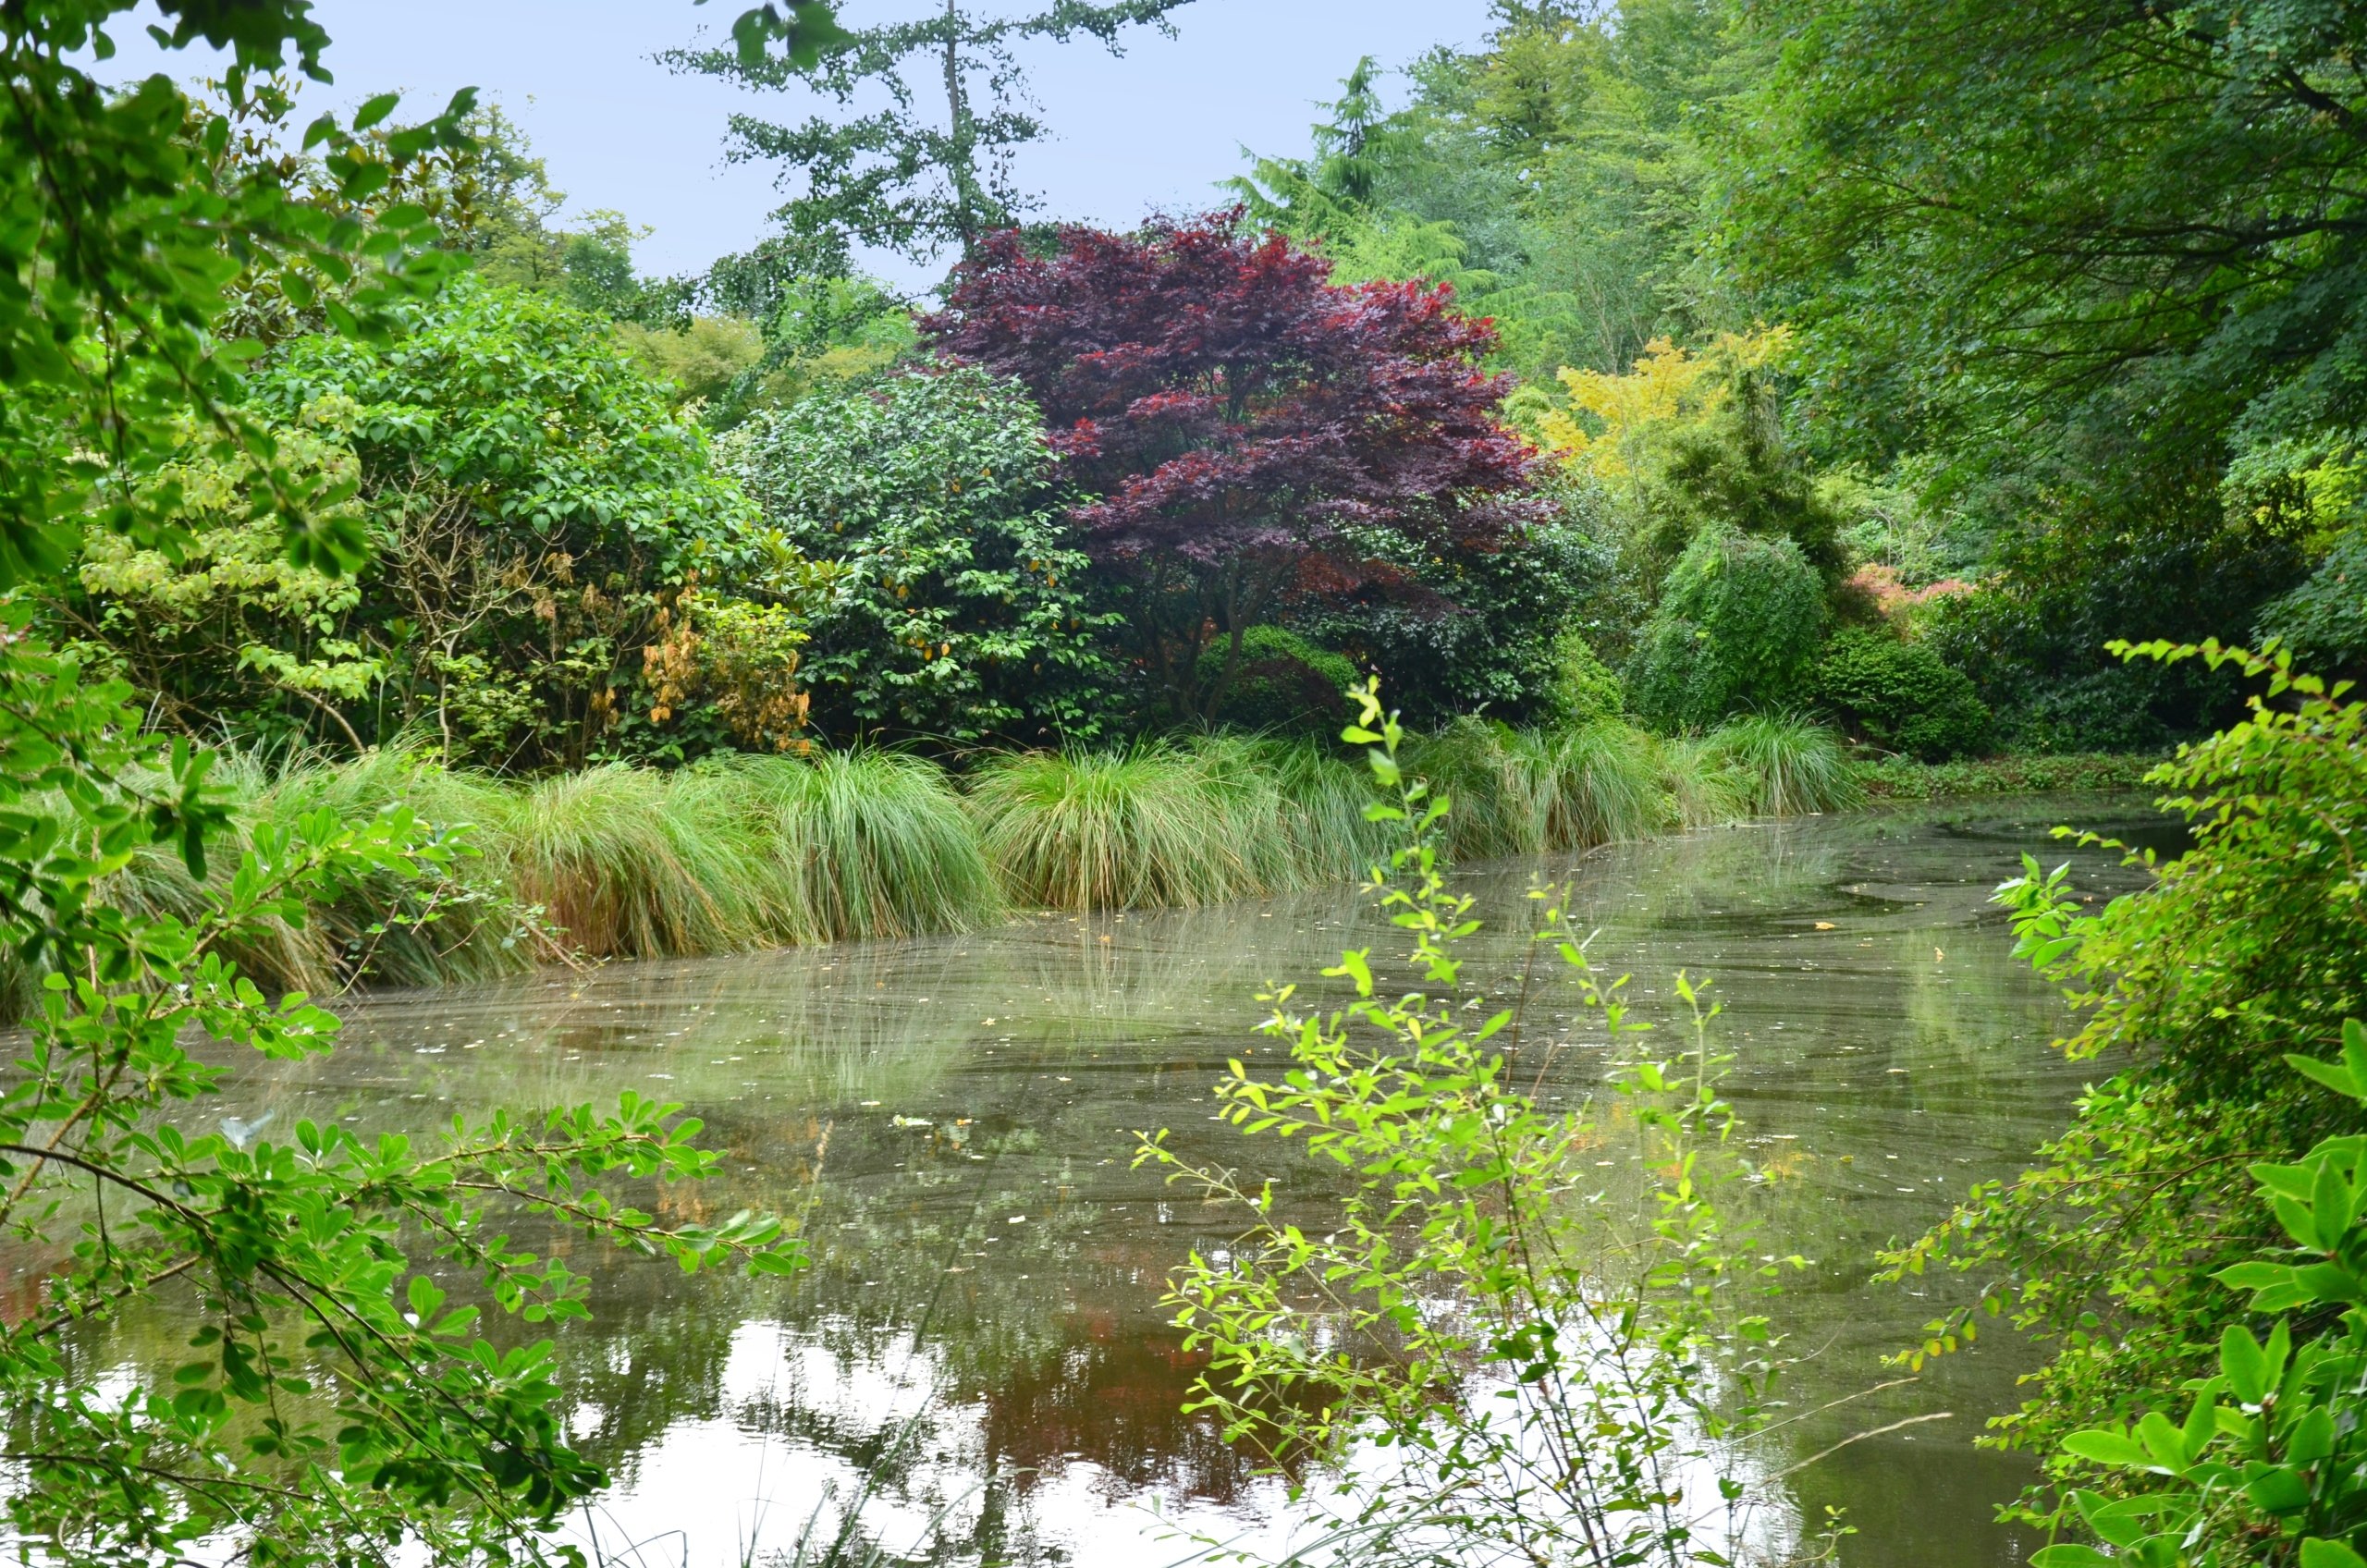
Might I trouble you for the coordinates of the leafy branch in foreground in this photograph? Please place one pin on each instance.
(2250, 945)
(338, 1404)
(1534, 1360)
(2270, 1463)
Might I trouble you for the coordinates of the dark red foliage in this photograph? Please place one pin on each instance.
(1222, 397)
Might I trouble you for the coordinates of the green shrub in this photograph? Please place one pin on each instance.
(1737, 627)
(533, 501)
(1284, 682)
(2108, 710)
(1900, 696)
(1897, 779)
(2268, 1464)
(1497, 645)
(2197, 990)
(1457, 1245)
(2032, 637)
(1584, 688)
(964, 616)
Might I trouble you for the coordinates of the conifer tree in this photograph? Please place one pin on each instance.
(906, 178)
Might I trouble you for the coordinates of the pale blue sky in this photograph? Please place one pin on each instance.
(1154, 129)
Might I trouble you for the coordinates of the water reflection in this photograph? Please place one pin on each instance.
(980, 1334)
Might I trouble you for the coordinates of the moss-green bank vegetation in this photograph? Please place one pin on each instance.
(1902, 779)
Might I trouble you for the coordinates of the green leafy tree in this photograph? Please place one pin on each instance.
(811, 332)
(1285, 682)
(335, 1407)
(702, 360)
(901, 177)
(533, 505)
(967, 611)
(2092, 267)
(508, 221)
(1997, 212)
(1316, 196)
(1555, 176)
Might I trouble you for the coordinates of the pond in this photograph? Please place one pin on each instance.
(977, 1369)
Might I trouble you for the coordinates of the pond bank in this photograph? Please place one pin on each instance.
(1901, 778)
(756, 852)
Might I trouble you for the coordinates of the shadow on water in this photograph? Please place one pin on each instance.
(980, 1333)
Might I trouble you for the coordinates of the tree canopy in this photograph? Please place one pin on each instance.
(1242, 421)
(2015, 213)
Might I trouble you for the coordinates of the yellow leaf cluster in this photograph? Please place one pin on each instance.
(1612, 423)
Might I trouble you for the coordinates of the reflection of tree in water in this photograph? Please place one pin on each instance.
(645, 1362)
(1113, 1398)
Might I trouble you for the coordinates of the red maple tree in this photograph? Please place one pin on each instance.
(1247, 426)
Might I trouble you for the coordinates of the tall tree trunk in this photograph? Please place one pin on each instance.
(959, 168)
(1247, 590)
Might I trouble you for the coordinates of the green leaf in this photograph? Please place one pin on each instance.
(2105, 1447)
(375, 110)
(2320, 1553)
(2070, 1554)
(2279, 1490)
(2241, 1360)
(2339, 1076)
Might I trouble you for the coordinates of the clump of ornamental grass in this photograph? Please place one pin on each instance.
(1705, 788)
(457, 927)
(1498, 780)
(1603, 783)
(1151, 825)
(1323, 797)
(1791, 765)
(629, 863)
(1240, 776)
(456, 923)
(865, 843)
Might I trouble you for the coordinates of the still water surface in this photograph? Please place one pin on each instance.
(981, 1333)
